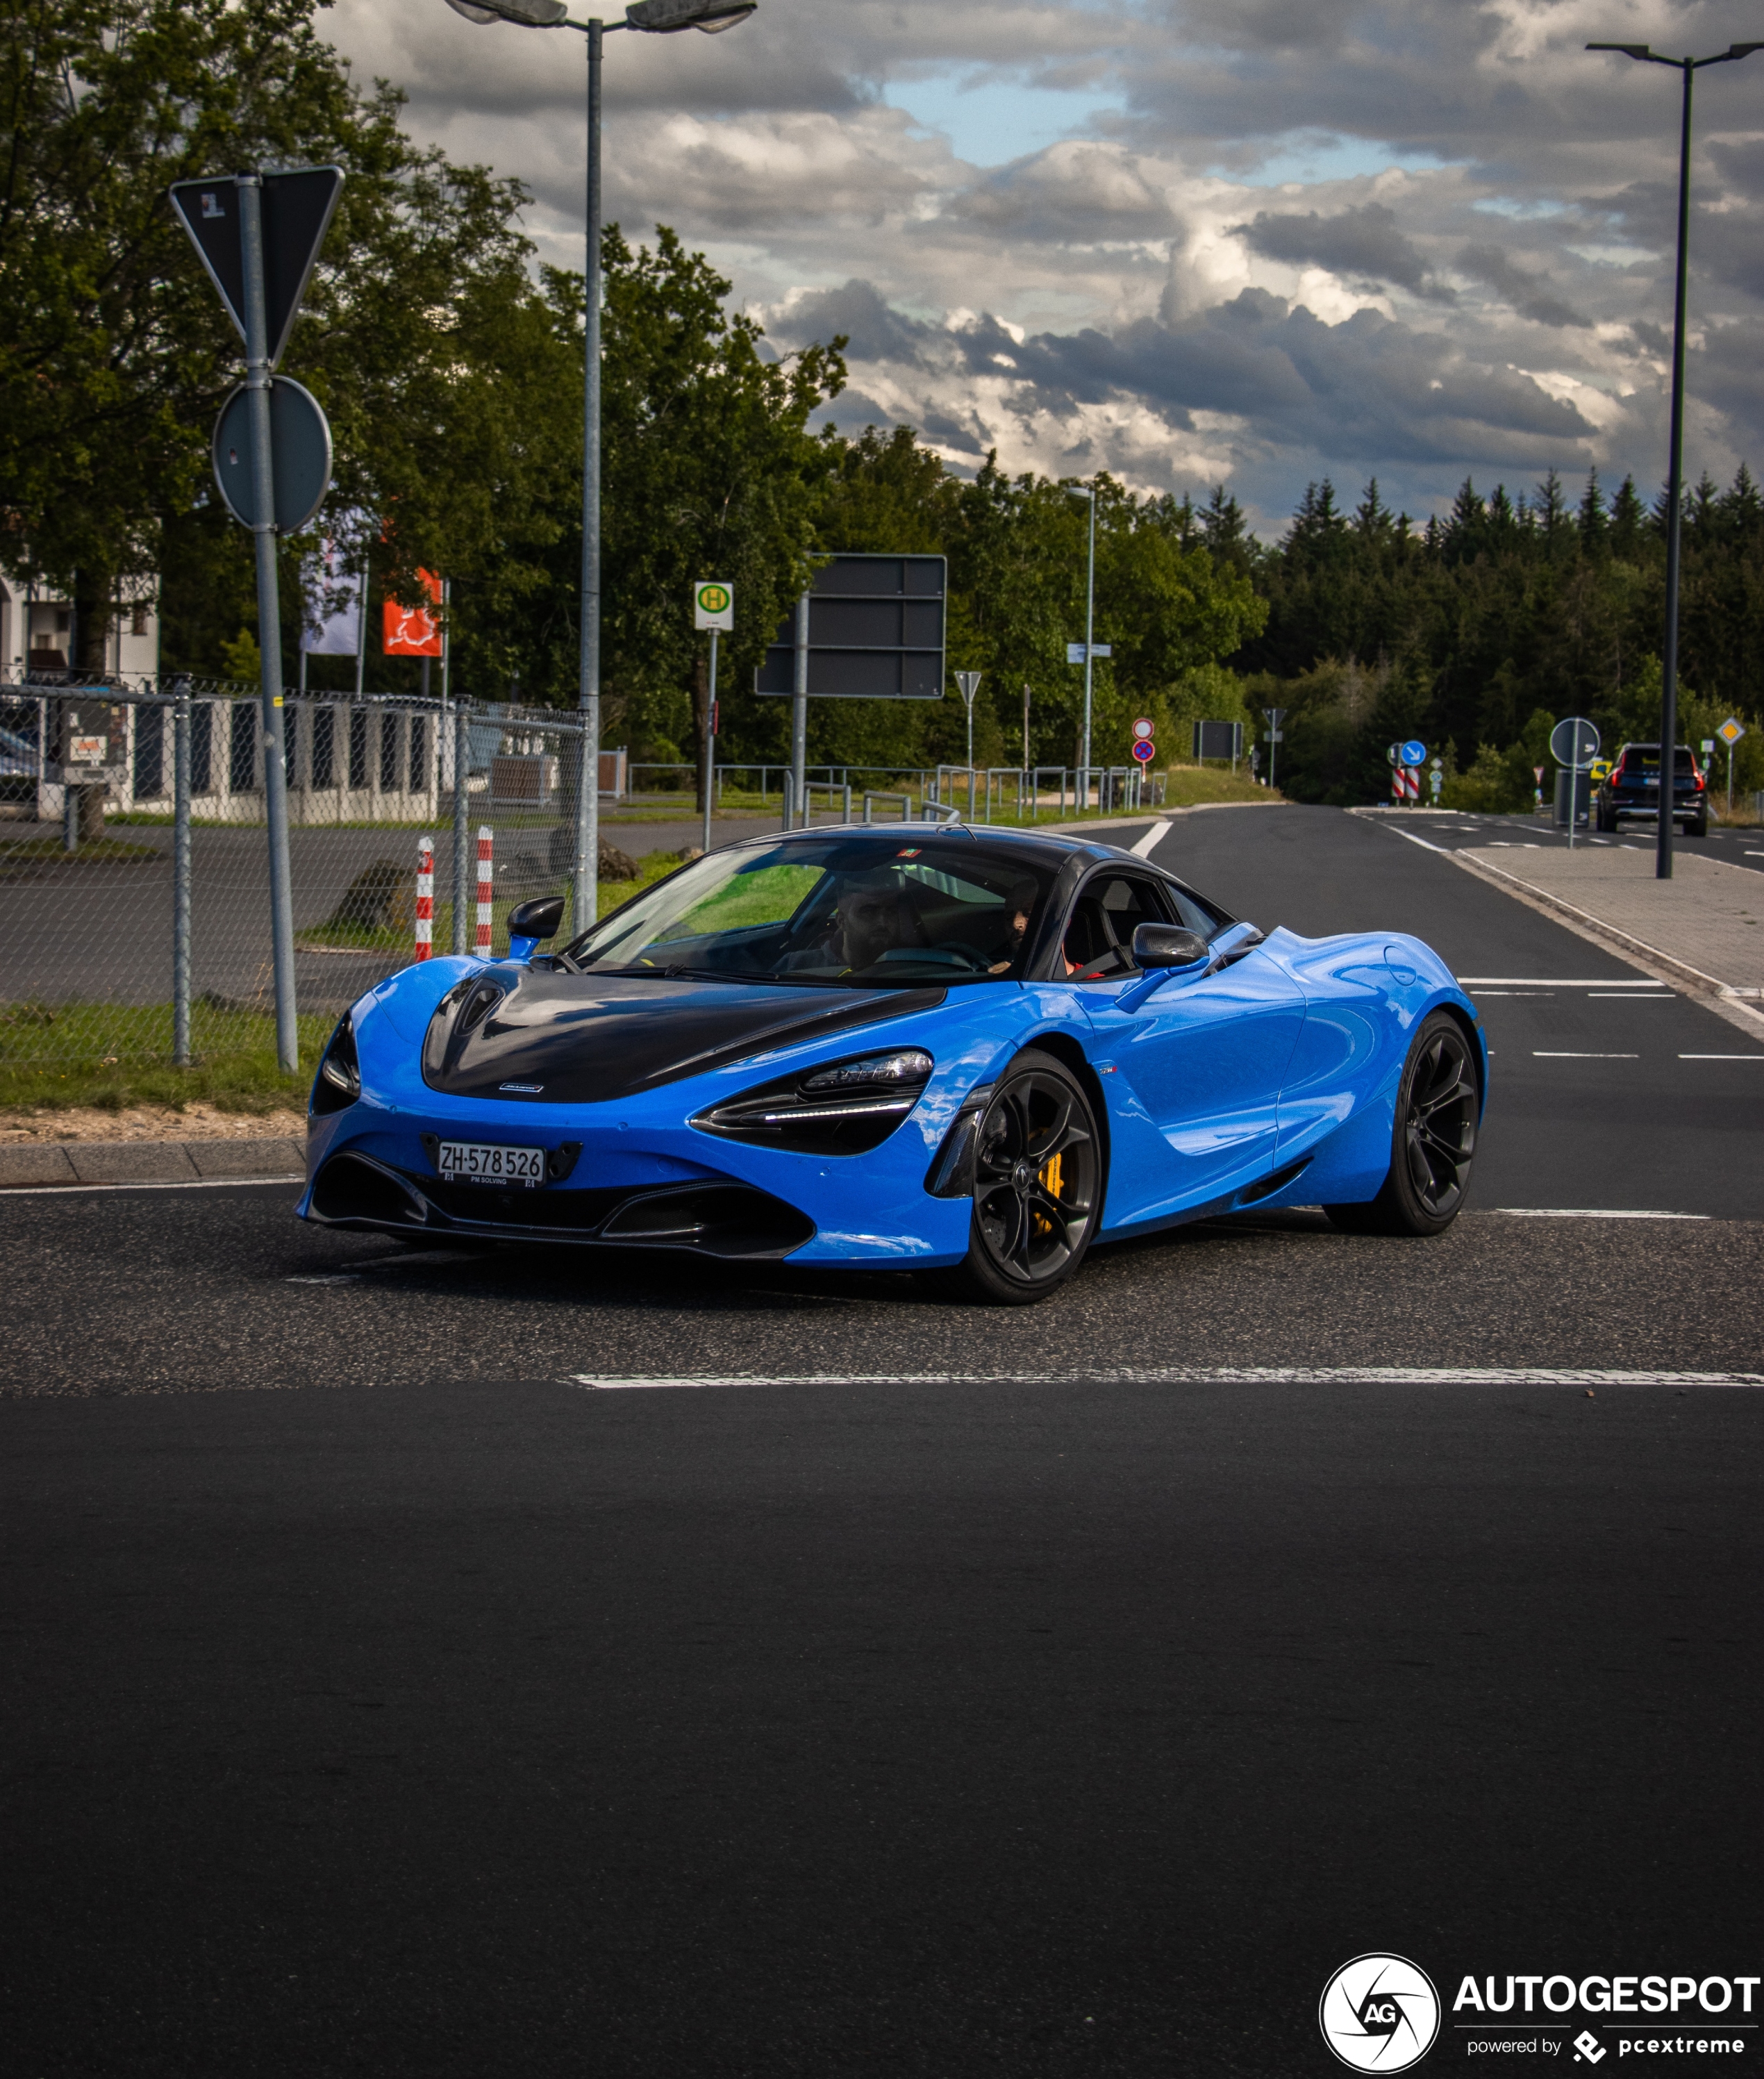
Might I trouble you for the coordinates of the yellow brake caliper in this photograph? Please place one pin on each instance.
(1050, 1183)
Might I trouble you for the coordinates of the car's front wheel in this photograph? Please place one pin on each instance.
(1038, 1185)
(1433, 1138)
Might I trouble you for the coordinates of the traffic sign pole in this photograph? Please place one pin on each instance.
(248, 189)
(710, 742)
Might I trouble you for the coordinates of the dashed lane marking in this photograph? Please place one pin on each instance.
(1591, 1213)
(1721, 1057)
(1175, 1375)
(1550, 1054)
(1532, 981)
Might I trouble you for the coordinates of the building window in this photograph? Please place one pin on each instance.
(137, 620)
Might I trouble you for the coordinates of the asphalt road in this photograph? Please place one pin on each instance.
(384, 1700)
(1740, 844)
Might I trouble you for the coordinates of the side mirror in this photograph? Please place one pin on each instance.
(1168, 946)
(530, 922)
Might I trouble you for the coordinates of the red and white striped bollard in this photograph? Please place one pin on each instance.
(486, 889)
(425, 898)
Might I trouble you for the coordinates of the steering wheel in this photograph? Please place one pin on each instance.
(963, 956)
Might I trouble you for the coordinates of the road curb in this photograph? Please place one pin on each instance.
(78, 1162)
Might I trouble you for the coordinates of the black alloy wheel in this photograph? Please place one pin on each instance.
(1038, 1172)
(1433, 1138)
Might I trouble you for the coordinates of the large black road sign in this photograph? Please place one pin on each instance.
(297, 207)
(875, 632)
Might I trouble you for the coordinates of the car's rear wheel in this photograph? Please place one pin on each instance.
(1037, 1179)
(1433, 1138)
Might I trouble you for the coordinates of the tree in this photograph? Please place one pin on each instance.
(115, 353)
(708, 470)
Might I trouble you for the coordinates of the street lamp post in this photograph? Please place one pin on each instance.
(1668, 666)
(1088, 492)
(656, 17)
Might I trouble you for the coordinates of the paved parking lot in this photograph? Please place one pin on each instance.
(432, 1662)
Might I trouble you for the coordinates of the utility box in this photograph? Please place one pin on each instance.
(1580, 783)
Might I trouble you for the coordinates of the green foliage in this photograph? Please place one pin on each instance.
(1482, 627)
(114, 354)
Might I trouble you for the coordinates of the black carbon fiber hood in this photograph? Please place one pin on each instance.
(573, 1039)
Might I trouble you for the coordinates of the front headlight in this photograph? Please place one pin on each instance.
(338, 1083)
(844, 1108)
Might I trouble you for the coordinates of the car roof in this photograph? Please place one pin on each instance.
(1056, 846)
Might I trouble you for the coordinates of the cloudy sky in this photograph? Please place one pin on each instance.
(1192, 241)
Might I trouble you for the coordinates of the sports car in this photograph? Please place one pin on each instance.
(973, 1052)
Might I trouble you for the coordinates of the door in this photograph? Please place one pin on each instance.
(1192, 1077)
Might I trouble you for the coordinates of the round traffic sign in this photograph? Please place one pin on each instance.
(1141, 728)
(1414, 752)
(1145, 750)
(1574, 743)
(299, 455)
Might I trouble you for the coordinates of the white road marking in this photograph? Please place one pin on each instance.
(1143, 847)
(1533, 981)
(1626, 996)
(189, 1184)
(1421, 842)
(1721, 1057)
(1548, 1054)
(329, 1277)
(1178, 1375)
(1589, 1213)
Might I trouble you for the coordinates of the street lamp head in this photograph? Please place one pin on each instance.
(529, 13)
(668, 17)
(1743, 50)
(1628, 50)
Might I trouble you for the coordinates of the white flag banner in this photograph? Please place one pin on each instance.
(331, 588)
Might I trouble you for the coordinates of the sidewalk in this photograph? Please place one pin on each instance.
(65, 1162)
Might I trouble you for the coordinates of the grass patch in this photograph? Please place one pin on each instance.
(50, 851)
(111, 1055)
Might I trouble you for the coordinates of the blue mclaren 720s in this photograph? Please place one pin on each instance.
(973, 1052)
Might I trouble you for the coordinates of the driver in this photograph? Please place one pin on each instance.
(874, 915)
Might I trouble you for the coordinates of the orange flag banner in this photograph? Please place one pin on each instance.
(412, 631)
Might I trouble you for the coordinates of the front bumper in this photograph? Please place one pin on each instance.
(635, 1172)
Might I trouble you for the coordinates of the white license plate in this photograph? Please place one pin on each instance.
(483, 1162)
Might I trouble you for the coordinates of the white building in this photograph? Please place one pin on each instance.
(36, 632)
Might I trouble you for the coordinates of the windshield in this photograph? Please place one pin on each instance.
(1645, 757)
(841, 911)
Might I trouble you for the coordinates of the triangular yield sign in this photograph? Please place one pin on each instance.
(297, 209)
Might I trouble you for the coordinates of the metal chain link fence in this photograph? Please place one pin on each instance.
(126, 936)
(133, 932)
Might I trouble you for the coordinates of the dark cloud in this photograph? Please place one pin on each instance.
(1363, 245)
(1525, 292)
(876, 331)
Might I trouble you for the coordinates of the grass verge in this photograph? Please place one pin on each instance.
(109, 1056)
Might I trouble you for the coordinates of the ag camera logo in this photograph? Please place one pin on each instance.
(1379, 2014)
